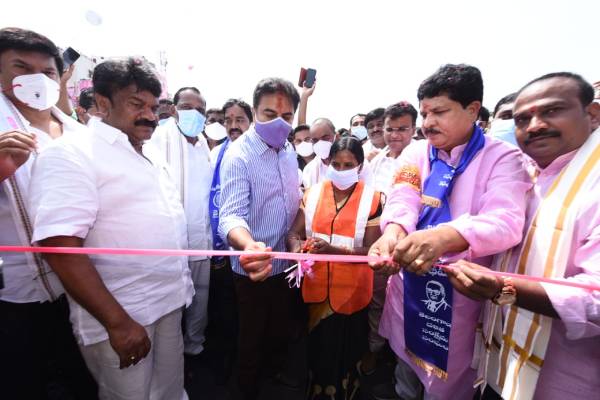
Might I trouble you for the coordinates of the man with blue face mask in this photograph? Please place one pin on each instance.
(184, 147)
(258, 203)
(503, 125)
(35, 329)
(166, 110)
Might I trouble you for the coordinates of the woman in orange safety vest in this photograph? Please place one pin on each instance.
(339, 215)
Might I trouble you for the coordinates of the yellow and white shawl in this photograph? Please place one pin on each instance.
(513, 348)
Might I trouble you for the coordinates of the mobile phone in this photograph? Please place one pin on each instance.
(69, 57)
(302, 77)
(311, 74)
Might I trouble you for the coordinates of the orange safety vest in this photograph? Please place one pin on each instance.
(348, 286)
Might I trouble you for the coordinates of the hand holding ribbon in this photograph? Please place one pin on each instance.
(472, 280)
(258, 266)
(384, 248)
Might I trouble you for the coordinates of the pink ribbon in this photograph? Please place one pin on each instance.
(574, 284)
(206, 253)
(304, 267)
(300, 257)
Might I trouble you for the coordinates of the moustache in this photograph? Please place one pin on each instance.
(146, 122)
(536, 135)
(428, 131)
(235, 131)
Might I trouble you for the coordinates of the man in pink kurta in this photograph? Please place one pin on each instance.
(487, 203)
(555, 117)
(487, 207)
(574, 343)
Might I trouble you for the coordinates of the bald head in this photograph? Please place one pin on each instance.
(322, 129)
(325, 121)
(190, 98)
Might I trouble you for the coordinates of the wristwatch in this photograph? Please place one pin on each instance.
(507, 296)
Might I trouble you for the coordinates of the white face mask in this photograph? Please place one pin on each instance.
(360, 132)
(215, 131)
(304, 149)
(36, 91)
(321, 149)
(342, 179)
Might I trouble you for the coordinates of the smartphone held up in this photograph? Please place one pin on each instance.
(307, 77)
(69, 57)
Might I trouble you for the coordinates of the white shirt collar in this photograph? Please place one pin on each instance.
(107, 132)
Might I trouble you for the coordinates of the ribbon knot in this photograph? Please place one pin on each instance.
(298, 271)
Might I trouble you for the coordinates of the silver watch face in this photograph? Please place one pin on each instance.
(505, 299)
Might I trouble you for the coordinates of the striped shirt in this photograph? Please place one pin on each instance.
(259, 192)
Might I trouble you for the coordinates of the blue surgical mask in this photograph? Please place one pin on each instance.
(503, 129)
(191, 122)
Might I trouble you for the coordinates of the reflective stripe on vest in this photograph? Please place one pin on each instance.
(347, 238)
(348, 287)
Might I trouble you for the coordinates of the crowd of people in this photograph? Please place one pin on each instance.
(437, 206)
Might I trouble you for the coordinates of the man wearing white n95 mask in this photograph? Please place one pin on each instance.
(322, 133)
(34, 319)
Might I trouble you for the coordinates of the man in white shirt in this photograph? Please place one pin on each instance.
(106, 190)
(185, 149)
(34, 319)
(322, 133)
(374, 125)
(399, 124)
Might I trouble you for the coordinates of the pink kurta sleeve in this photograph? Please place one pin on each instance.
(497, 224)
(404, 201)
(579, 309)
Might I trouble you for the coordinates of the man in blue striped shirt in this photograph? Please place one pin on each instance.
(259, 199)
